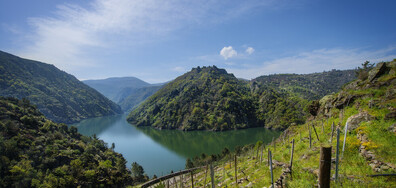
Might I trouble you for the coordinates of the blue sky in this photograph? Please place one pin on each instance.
(158, 40)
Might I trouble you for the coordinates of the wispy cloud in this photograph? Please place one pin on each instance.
(179, 69)
(249, 50)
(316, 61)
(67, 38)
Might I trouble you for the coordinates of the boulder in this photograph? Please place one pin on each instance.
(355, 120)
(344, 99)
(390, 115)
(392, 128)
(379, 70)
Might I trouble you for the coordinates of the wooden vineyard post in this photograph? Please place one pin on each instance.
(167, 183)
(272, 175)
(181, 181)
(310, 138)
(315, 132)
(291, 160)
(273, 143)
(337, 154)
(206, 173)
(236, 175)
(252, 154)
(261, 156)
(343, 145)
(325, 167)
(257, 154)
(212, 175)
(192, 179)
(224, 172)
(332, 132)
(174, 181)
(300, 136)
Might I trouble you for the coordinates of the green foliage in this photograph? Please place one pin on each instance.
(362, 72)
(189, 163)
(35, 152)
(209, 98)
(58, 95)
(309, 86)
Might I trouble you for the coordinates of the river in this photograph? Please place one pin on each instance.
(161, 151)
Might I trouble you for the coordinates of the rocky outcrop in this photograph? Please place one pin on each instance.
(374, 163)
(355, 120)
(392, 128)
(379, 70)
(391, 115)
(343, 100)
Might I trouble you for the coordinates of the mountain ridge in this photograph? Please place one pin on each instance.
(58, 95)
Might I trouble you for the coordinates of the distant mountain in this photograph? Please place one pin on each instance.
(309, 86)
(137, 96)
(115, 88)
(58, 95)
(128, 92)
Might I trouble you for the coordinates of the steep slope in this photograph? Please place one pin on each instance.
(278, 108)
(209, 98)
(136, 97)
(35, 152)
(309, 86)
(116, 88)
(204, 98)
(58, 95)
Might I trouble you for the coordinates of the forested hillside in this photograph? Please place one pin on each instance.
(309, 86)
(209, 98)
(36, 152)
(57, 94)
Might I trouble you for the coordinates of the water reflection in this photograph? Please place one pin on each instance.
(193, 143)
(160, 151)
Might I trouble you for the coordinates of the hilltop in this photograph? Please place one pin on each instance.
(209, 98)
(204, 98)
(58, 95)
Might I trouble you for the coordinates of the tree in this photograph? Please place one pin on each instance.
(189, 163)
(362, 72)
(137, 170)
(225, 152)
(313, 107)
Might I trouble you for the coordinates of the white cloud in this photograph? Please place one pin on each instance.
(249, 50)
(316, 61)
(228, 52)
(73, 35)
